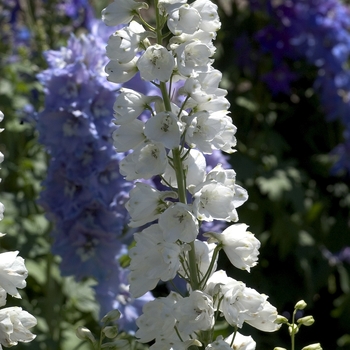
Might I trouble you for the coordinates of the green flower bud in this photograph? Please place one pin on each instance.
(300, 305)
(84, 333)
(293, 329)
(306, 321)
(278, 348)
(110, 331)
(113, 315)
(316, 346)
(281, 319)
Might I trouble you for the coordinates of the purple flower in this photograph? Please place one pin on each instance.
(86, 248)
(342, 155)
(80, 12)
(84, 194)
(316, 31)
(279, 79)
(114, 294)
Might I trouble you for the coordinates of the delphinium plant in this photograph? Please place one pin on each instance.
(187, 119)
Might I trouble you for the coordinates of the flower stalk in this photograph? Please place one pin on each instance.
(185, 122)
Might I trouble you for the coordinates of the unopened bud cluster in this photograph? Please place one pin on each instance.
(293, 327)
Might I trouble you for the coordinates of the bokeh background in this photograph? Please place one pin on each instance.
(286, 67)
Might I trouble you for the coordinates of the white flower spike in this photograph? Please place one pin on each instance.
(167, 134)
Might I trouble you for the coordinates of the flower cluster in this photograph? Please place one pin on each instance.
(317, 31)
(15, 323)
(84, 195)
(187, 119)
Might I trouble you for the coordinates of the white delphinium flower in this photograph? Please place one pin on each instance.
(194, 165)
(156, 63)
(193, 57)
(184, 19)
(166, 6)
(241, 342)
(209, 14)
(210, 82)
(152, 259)
(240, 304)
(210, 131)
(201, 131)
(130, 104)
(12, 273)
(204, 258)
(226, 140)
(178, 223)
(212, 104)
(121, 72)
(265, 319)
(121, 11)
(14, 326)
(219, 344)
(240, 245)
(194, 313)
(214, 201)
(158, 320)
(146, 204)
(193, 88)
(124, 44)
(224, 290)
(200, 36)
(225, 176)
(146, 161)
(129, 136)
(165, 128)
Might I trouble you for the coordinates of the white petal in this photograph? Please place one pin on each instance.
(156, 63)
(121, 73)
(164, 128)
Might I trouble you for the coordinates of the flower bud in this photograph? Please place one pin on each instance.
(84, 333)
(293, 329)
(316, 346)
(300, 305)
(111, 316)
(281, 319)
(306, 321)
(110, 331)
(279, 348)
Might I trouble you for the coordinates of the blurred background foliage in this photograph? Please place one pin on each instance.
(297, 207)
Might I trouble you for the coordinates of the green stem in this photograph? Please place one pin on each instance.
(293, 330)
(177, 161)
(211, 266)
